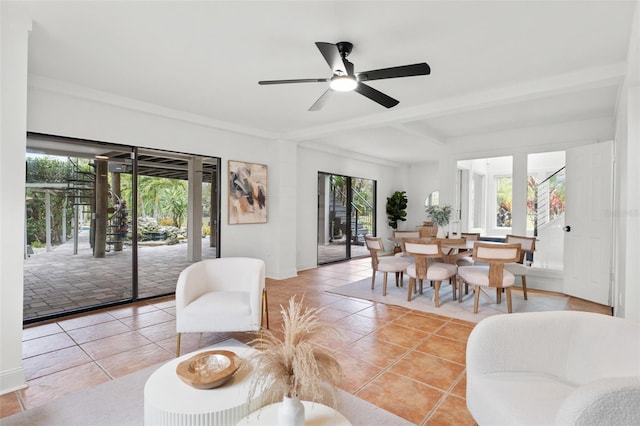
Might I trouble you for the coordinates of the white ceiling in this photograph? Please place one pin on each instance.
(495, 64)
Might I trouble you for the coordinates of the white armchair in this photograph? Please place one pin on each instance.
(554, 368)
(221, 295)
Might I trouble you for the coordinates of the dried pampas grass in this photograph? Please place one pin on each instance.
(293, 366)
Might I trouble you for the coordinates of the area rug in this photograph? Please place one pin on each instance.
(120, 402)
(537, 301)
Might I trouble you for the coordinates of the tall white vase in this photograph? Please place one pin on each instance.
(291, 412)
(441, 232)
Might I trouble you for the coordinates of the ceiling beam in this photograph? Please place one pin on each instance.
(68, 89)
(610, 75)
(423, 133)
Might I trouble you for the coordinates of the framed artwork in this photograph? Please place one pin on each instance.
(247, 193)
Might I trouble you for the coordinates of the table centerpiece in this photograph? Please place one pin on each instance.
(440, 216)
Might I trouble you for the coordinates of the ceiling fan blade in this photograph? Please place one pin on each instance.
(349, 67)
(322, 100)
(394, 72)
(332, 56)
(376, 96)
(299, 80)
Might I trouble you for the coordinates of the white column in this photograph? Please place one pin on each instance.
(47, 219)
(628, 205)
(63, 237)
(76, 224)
(629, 295)
(281, 202)
(194, 211)
(447, 171)
(13, 143)
(519, 178)
(325, 202)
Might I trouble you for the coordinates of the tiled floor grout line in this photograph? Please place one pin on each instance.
(97, 363)
(444, 397)
(445, 393)
(387, 369)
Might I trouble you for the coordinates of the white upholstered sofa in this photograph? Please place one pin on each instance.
(554, 368)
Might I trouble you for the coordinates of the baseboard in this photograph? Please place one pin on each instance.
(545, 279)
(283, 275)
(12, 380)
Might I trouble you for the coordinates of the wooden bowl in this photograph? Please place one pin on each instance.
(209, 369)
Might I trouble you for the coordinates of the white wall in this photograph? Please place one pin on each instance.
(422, 180)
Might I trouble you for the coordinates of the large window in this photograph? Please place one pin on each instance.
(486, 195)
(503, 201)
(486, 201)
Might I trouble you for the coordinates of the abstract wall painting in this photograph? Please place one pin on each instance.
(247, 193)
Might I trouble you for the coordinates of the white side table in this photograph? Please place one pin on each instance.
(314, 414)
(168, 401)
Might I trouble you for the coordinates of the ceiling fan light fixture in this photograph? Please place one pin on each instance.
(344, 79)
(343, 83)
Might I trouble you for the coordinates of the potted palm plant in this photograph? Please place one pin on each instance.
(440, 216)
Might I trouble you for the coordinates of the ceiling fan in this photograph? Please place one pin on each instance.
(344, 78)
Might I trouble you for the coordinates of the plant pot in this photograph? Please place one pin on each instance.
(291, 412)
(441, 232)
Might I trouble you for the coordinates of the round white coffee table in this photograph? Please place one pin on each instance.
(170, 401)
(314, 414)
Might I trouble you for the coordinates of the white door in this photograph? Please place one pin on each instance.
(588, 222)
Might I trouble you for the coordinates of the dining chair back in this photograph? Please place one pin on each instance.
(384, 264)
(527, 244)
(398, 245)
(406, 234)
(424, 268)
(453, 241)
(428, 231)
(492, 275)
(520, 268)
(470, 236)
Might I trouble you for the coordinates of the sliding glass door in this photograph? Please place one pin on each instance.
(109, 224)
(78, 253)
(346, 214)
(169, 238)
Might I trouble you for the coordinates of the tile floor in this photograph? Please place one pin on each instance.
(408, 362)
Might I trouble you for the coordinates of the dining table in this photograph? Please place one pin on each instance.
(453, 249)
